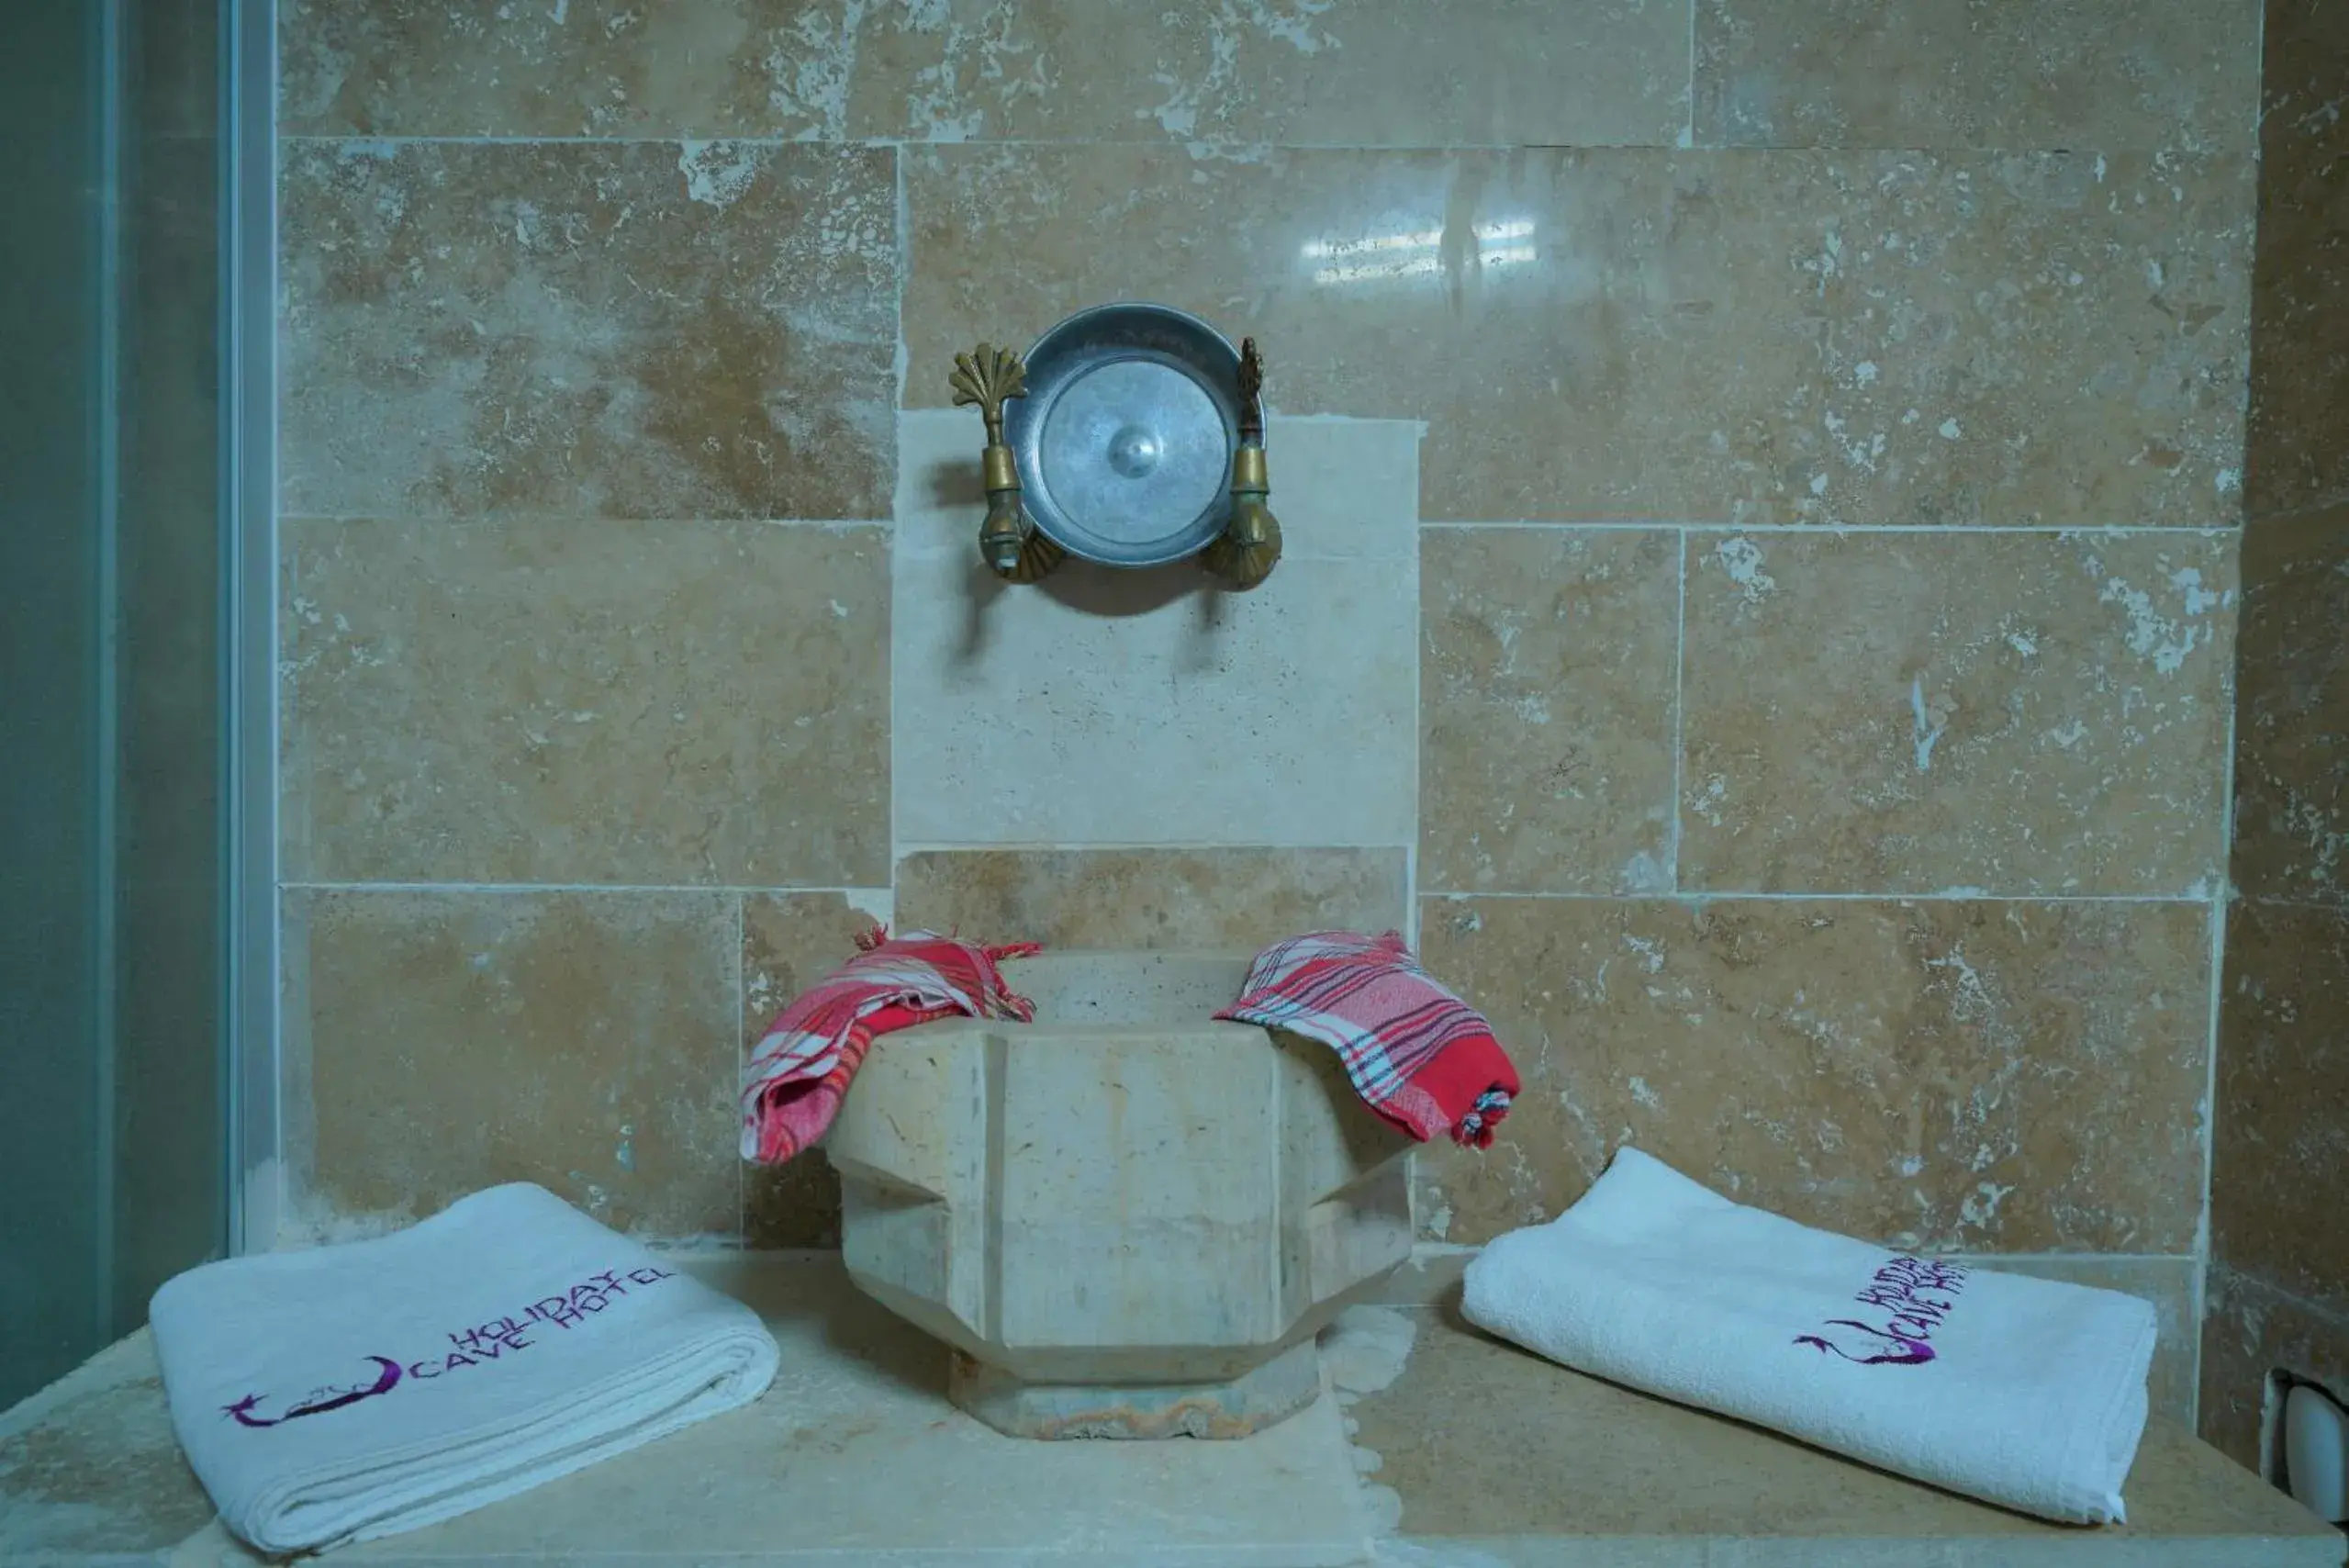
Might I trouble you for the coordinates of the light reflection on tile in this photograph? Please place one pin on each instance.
(1668, 336)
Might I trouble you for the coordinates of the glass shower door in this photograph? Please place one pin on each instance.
(115, 717)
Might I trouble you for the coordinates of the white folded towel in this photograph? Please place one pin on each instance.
(2023, 1392)
(361, 1390)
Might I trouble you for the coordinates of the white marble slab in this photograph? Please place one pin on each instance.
(1149, 707)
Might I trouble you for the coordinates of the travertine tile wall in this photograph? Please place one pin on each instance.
(1762, 485)
(2278, 1294)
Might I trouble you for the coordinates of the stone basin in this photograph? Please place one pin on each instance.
(1127, 1219)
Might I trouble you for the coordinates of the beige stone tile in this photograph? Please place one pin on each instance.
(1374, 73)
(1105, 706)
(1345, 489)
(789, 942)
(452, 1040)
(1529, 1482)
(682, 68)
(1915, 712)
(2250, 1329)
(1872, 337)
(2292, 711)
(2281, 1140)
(1959, 1076)
(2169, 1283)
(2133, 75)
(2298, 452)
(601, 329)
(1370, 73)
(548, 700)
(1205, 898)
(1547, 663)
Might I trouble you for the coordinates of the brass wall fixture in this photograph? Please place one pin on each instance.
(1008, 540)
(1250, 547)
(1136, 439)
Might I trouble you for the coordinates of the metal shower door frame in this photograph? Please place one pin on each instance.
(249, 508)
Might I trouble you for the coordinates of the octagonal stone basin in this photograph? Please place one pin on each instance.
(1127, 1219)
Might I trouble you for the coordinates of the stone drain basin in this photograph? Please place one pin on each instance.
(1126, 1220)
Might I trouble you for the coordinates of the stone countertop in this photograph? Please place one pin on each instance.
(1441, 1449)
(1483, 1454)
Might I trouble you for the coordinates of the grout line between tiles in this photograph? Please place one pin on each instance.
(1419, 893)
(1688, 133)
(1418, 721)
(734, 1027)
(2310, 1304)
(1092, 144)
(720, 889)
(1683, 141)
(1815, 530)
(494, 520)
(2318, 906)
(1691, 897)
(898, 541)
(1680, 694)
(272, 607)
(2298, 512)
(1090, 846)
(2204, 1240)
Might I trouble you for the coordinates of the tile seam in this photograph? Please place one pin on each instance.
(1680, 690)
(2072, 147)
(2206, 1245)
(2314, 1307)
(905, 360)
(1107, 847)
(715, 888)
(1686, 896)
(1688, 129)
(734, 1032)
(1418, 562)
(1456, 895)
(1817, 530)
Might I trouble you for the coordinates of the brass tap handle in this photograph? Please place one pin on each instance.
(1250, 547)
(987, 376)
(1251, 394)
(1008, 540)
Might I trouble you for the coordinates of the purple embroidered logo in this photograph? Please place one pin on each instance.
(1913, 1295)
(318, 1401)
(473, 1345)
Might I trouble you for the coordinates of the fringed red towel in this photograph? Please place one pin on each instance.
(1421, 1057)
(796, 1078)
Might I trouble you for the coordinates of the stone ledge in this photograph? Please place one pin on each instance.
(1477, 1454)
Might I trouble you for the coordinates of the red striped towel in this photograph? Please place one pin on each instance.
(802, 1066)
(1421, 1057)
